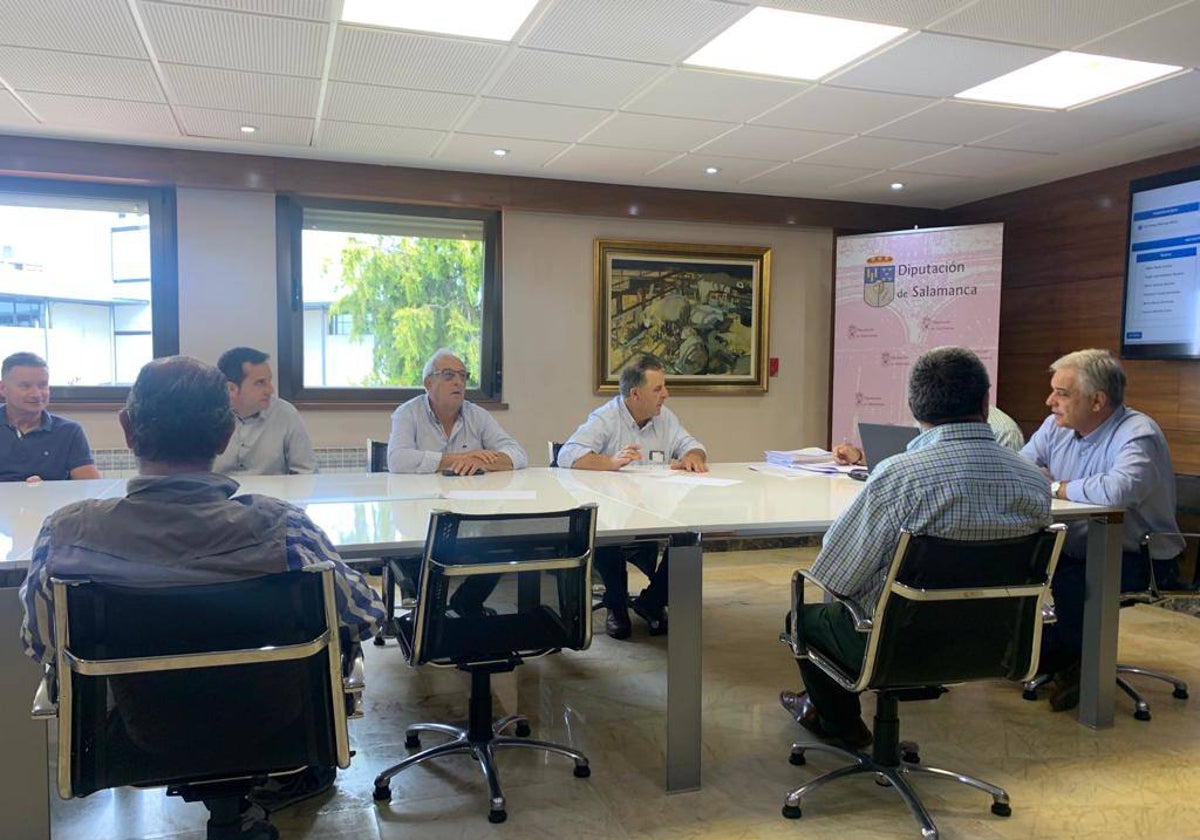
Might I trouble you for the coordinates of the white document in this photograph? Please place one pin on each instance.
(491, 495)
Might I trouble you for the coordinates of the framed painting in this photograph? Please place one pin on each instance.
(703, 309)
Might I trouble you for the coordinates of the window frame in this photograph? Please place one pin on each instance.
(289, 216)
(164, 272)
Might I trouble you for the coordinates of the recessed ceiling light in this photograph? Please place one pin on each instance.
(496, 20)
(1066, 79)
(897, 186)
(711, 170)
(499, 152)
(775, 42)
(248, 129)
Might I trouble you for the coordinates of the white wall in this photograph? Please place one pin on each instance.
(227, 297)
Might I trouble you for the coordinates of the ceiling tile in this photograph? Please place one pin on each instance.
(921, 65)
(1061, 24)
(606, 162)
(476, 149)
(688, 171)
(842, 110)
(875, 152)
(914, 14)
(129, 120)
(226, 125)
(663, 31)
(259, 93)
(46, 71)
(531, 120)
(1169, 38)
(641, 131)
(589, 82)
(766, 143)
(306, 9)
(706, 95)
(920, 189)
(1062, 132)
(382, 143)
(402, 59)
(974, 161)
(394, 106)
(802, 176)
(99, 27)
(213, 38)
(11, 112)
(1159, 102)
(957, 122)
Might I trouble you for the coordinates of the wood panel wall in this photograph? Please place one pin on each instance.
(1063, 282)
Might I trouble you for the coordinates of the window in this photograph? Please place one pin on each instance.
(87, 281)
(367, 292)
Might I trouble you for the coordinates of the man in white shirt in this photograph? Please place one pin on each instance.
(269, 437)
(634, 427)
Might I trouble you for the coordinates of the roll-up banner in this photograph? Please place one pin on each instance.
(899, 294)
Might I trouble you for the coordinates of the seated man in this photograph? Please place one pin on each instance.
(441, 431)
(179, 525)
(955, 482)
(634, 427)
(36, 445)
(269, 437)
(1098, 450)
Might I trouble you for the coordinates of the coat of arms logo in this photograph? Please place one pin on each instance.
(879, 281)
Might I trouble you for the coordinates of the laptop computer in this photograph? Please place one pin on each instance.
(880, 441)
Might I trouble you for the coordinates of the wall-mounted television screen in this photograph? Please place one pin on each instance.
(1161, 319)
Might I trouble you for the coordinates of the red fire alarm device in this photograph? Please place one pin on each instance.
(773, 366)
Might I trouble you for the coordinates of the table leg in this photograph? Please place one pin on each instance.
(685, 644)
(24, 777)
(1101, 608)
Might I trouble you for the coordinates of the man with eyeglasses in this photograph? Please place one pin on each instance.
(441, 431)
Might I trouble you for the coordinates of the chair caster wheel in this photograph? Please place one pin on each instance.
(412, 740)
(1180, 694)
(582, 771)
(910, 757)
(497, 816)
(1142, 714)
(797, 759)
(792, 812)
(1029, 694)
(382, 794)
(522, 730)
(1001, 809)
(379, 641)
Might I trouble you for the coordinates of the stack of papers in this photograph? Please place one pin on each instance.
(796, 457)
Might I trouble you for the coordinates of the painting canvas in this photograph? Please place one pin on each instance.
(702, 309)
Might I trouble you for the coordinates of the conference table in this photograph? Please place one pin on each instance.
(371, 514)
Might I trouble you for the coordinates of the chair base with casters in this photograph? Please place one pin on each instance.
(481, 738)
(1141, 709)
(892, 761)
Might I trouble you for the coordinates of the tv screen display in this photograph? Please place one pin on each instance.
(1161, 319)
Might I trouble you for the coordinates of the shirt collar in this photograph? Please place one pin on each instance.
(191, 486)
(951, 431)
(258, 415)
(627, 417)
(43, 426)
(1104, 429)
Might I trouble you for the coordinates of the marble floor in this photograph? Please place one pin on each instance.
(1135, 780)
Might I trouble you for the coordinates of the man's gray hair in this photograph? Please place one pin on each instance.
(947, 384)
(440, 353)
(1098, 371)
(634, 374)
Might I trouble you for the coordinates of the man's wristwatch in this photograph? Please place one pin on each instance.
(1055, 486)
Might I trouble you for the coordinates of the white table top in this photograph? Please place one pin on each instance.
(369, 513)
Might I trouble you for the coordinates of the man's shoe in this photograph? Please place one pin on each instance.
(284, 791)
(617, 624)
(655, 617)
(1066, 689)
(800, 706)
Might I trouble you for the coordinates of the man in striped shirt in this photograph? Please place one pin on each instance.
(955, 481)
(178, 525)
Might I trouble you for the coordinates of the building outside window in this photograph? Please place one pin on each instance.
(369, 291)
(82, 268)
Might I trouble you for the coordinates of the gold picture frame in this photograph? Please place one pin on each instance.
(703, 309)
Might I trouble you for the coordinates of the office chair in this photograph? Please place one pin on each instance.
(1151, 593)
(377, 456)
(951, 611)
(538, 567)
(208, 690)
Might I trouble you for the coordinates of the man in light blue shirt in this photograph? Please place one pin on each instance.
(1099, 451)
(440, 430)
(634, 427)
(955, 481)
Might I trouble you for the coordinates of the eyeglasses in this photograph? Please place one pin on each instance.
(450, 374)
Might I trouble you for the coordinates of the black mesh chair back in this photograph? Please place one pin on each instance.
(158, 686)
(955, 611)
(377, 455)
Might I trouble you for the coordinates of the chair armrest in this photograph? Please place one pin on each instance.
(45, 699)
(862, 622)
